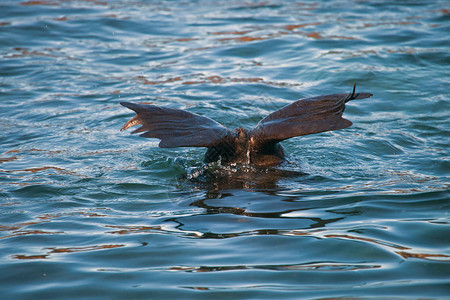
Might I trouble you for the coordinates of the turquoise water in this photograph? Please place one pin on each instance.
(87, 211)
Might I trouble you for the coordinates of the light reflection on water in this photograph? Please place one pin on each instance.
(87, 211)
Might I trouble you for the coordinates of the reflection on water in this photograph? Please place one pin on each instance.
(214, 177)
(89, 212)
(314, 267)
(66, 250)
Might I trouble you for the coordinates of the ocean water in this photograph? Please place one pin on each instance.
(87, 211)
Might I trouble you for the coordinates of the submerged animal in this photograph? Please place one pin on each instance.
(258, 146)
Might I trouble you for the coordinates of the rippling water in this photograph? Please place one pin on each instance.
(89, 211)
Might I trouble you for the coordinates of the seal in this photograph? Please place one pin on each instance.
(259, 146)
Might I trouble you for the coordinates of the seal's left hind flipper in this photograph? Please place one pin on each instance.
(175, 127)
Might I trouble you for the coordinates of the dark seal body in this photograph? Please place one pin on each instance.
(240, 150)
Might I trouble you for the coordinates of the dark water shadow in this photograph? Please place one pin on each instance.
(244, 200)
(216, 179)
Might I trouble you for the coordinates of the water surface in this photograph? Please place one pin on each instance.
(89, 211)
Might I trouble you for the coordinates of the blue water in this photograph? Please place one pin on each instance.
(87, 211)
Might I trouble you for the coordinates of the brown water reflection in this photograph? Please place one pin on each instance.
(133, 229)
(436, 257)
(214, 79)
(19, 229)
